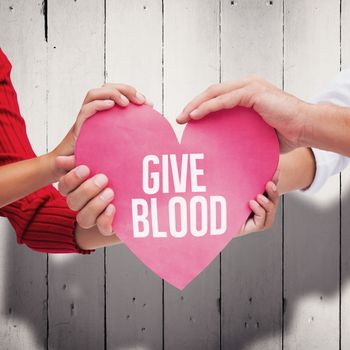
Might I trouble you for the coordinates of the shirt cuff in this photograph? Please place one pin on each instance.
(44, 223)
(325, 163)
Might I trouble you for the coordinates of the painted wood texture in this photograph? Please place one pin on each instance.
(23, 272)
(75, 64)
(345, 199)
(287, 288)
(134, 56)
(252, 39)
(311, 225)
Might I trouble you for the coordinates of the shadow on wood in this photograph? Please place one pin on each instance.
(25, 293)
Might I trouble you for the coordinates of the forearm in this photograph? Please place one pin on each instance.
(19, 179)
(93, 239)
(297, 170)
(327, 127)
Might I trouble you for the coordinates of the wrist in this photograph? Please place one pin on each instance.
(91, 238)
(53, 172)
(311, 114)
(307, 115)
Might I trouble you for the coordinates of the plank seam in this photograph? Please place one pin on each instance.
(163, 288)
(340, 197)
(220, 255)
(283, 202)
(44, 12)
(104, 249)
(47, 303)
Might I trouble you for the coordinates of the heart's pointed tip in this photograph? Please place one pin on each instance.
(180, 285)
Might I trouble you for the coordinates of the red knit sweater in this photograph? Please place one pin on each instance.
(41, 220)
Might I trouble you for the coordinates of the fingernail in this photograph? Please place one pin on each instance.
(254, 204)
(182, 118)
(263, 198)
(100, 180)
(109, 102)
(107, 194)
(109, 210)
(276, 177)
(194, 113)
(140, 97)
(273, 186)
(123, 100)
(82, 171)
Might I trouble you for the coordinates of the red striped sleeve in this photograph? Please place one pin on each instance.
(42, 220)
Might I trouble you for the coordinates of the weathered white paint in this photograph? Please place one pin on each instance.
(134, 56)
(72, 61)
(252, 39)
(23, 288)
(191, 63)
(311, 226)
(75, 65)
(345, 198)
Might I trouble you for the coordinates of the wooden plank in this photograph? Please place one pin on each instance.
(22, 273)
(252, 40)
(134, 56)
(191, 63)
(312, 223)
(345, 199)
(76, 64)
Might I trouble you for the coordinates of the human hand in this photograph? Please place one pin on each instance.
(284, 112)
(264, 209)
(91, 197)
(97, 100)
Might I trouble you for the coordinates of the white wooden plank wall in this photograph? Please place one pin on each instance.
(171, 50)
(311, 245)
(345, 199)
(23, 286)
(252, 38)
(75, 64)
(134, 56)
(191, 318)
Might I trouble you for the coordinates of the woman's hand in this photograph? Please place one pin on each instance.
(264, 209)
(284, 112)
(91, 197)
(96, 100)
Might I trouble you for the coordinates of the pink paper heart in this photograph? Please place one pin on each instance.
(240, 155)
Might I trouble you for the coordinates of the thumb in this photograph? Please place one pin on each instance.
(65, 162)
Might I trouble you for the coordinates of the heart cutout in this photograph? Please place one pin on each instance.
(231, 154)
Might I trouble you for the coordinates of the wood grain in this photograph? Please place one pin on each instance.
(23, 272)
(75, 65)
(171, 50)
(252, 39)
(191, 64)
(312, 223)
(345, 199)
(134, 293)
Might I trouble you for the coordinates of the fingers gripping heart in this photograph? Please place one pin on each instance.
(178, 205)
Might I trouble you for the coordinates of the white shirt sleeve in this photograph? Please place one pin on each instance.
(330, 163)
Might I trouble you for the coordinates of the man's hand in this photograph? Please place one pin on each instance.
(284, 112)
